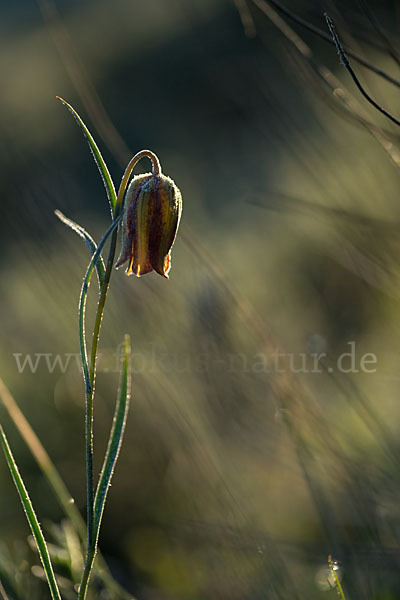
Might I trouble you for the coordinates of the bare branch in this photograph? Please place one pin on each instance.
(324, 36)
(345, 61)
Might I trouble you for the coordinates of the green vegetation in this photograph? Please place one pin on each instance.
(262, 437)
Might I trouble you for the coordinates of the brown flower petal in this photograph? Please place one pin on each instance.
(152, 214)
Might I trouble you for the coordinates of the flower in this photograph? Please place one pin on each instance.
(153, 207)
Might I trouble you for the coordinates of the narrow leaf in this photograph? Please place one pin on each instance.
(57, 484)
(99, 160)
(90, 243)
(31, 517)
(82, 302)
(115, 439)
(42, 458)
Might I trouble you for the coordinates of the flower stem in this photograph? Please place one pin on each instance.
(90, 370)
(89, 374)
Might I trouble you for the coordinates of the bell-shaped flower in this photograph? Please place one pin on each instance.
(153, 207)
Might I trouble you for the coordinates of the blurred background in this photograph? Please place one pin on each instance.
(245, 462)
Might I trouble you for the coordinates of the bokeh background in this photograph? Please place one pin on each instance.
(238, 476)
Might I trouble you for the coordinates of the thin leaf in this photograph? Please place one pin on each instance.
(115, 439)
(31, 517)
(114, 445)
(42, 458)
(82, 303)
(90, 243)
(57, 484)
(99, 160)
(89, 381)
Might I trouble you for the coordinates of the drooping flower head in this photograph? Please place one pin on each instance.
(153, 207)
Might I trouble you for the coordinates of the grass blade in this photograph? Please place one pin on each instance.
(42, 458)
(90, 243)
(99, 160)
(31, 517)
(115, 439)
(57, 484)
(3, 593)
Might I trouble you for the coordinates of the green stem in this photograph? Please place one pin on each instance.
(90, 371)
(57, 484)
(115, 439)
(89, 379)
(334, 573)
